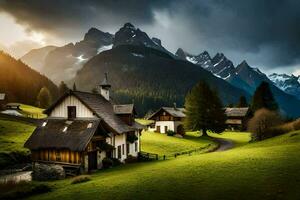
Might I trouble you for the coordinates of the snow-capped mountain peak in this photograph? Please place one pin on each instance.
(288, 83)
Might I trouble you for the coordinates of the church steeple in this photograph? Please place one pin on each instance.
(105, 87)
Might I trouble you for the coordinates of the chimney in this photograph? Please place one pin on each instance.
(175, 107)
(105, 87)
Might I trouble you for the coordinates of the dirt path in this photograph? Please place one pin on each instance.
(224, 144)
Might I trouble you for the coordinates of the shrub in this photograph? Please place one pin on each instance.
(170, 133)
(131, 138)
(263, 124)
(131, 159)
(296, 125)
(180, 130)
(12, 158)
(107, 163)
(18, 190)
(116, 162)
(81, 179)
(106, 147)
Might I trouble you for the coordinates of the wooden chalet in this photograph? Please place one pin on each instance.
(237, 118)
(84, 128)
(168, 118)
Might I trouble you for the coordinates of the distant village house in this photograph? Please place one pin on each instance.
(237, 118)
(84, 128)
(2, 100)
(168, 118)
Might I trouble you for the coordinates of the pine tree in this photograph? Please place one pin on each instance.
(62, 88)
(44, 98)
(263, 98)
(242, 102)
(204, 110)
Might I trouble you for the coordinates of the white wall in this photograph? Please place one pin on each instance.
(119, 141)
(132, 150)
(172, 125)
(62, 109)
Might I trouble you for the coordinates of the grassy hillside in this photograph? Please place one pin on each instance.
(12, 138)
(262, 170)
(162, 144)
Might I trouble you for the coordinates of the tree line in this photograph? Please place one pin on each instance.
(204, 110)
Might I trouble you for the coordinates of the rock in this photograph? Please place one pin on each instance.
(178, 136)
(44, 172)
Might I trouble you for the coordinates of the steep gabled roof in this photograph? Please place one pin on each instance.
(175, 112)
(236, 112)
(76, 136)
(98, 105)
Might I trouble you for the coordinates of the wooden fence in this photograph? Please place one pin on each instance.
(145, 156)
(22, 119)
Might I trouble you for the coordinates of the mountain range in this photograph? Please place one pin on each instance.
(142, 70)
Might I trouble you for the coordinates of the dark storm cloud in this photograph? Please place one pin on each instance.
(266, 31)
(67, 16)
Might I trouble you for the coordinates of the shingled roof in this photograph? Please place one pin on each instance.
(175, 112)
(236, 112)
(124, 109)
(54, 134)
(100, 106)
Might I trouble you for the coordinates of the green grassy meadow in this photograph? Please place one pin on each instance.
(12, 138)
(260, 170)
(144, 122)
(32, 111)
(162, 144)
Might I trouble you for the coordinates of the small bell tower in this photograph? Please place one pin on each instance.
(105, 87)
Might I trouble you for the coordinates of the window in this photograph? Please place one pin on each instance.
(166, 129)
(57, 155)
(119, 152)
(127, 149)
(136, 146)
(71, 112)
(123, 149)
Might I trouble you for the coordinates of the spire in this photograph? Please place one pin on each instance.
(105, 81)
(105, 87)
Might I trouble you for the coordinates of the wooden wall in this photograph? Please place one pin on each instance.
(65, 156)
(62, 109)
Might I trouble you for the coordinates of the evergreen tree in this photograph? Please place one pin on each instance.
(62, 88)
(242, 102)
(204, 110)
(74, 87)
(44, 98)
(263, 98)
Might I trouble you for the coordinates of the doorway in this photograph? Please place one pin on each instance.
(92, 160)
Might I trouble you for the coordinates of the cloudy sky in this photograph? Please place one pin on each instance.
(266, 33)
